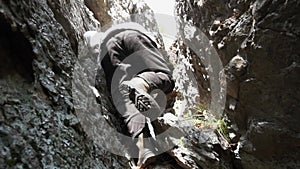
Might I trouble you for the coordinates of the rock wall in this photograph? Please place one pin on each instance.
(257, 43)
(100, 9)
(49, 116)
(46, 71)
(39, 44)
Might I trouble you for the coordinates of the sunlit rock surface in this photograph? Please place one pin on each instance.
(257, 42)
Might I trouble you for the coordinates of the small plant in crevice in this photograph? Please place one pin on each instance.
(222, 129)
(203, 118)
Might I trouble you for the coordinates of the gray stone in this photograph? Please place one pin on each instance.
(39, 45)
(195, 148)
(262, 85)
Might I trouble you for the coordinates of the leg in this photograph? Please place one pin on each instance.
(158, 80)
(134, 98)
(134, 120)
(145, 103)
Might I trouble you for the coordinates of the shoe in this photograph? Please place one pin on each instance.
(146, 151)
(138, 89)
(143, 101)
(147, 159)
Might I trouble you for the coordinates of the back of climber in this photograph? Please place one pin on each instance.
(134, 66)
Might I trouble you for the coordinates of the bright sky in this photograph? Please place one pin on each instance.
(164, 11)
(162, 6)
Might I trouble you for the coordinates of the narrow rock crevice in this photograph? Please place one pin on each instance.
(16, 54)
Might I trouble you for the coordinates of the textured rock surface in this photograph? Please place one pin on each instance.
(39, 45)
(50, 119)
(257, 42)
(194, 147)
(100, 9)
(49, 116)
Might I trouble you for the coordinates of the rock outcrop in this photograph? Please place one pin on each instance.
(49, 117)
(39, 46)
(257, 43)
(100, 10)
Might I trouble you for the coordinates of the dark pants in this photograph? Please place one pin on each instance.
(128, 53)
(158, 80)
(126, 106)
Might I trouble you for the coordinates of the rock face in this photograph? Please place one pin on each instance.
(50, 119)
(100, 9)
(39, 45)
(49, 116)
(257, 43)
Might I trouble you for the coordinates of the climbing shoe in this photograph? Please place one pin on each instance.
(138, 94)
(146, 151)
(138, 89)
(141, 102)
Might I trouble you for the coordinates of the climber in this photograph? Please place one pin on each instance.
(133, 67)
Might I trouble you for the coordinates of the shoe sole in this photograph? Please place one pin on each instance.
(144, 102)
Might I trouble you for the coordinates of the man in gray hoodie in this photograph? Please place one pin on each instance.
(133, 67)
